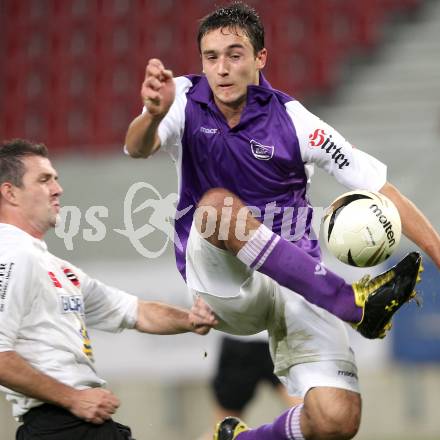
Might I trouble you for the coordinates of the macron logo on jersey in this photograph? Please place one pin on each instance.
(209, 130)
(260, 151)
(320, 139)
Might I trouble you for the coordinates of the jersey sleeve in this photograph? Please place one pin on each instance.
(17, 289)
(322, 145)
(171, 127)
(107, 308)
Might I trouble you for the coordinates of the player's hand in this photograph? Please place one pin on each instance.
(95, 405)
(201, 317)
(158, 89)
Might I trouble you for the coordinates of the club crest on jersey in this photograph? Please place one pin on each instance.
(262, 152)
(320, 139)
(71, 276)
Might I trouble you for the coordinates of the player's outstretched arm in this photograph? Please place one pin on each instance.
(94, 405)
(414, 224)
(163, 319)
(157, 93)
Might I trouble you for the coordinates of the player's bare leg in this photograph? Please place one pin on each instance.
(224, 220)
(229, 224)
(330, 413)
(327, 414)
(221, 413)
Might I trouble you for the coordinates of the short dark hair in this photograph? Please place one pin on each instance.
(12, 152)
(237, 15)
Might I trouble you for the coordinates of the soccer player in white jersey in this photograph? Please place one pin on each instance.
(46, 358)
(245, 152)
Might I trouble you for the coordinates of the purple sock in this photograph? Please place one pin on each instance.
(286, 427)
(295, 269)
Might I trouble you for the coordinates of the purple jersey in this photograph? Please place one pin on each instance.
(265, 159)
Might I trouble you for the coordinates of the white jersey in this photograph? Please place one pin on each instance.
(46, 305)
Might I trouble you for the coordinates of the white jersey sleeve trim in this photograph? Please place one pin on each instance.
(322, 145)
(172, 125)
(17, 288)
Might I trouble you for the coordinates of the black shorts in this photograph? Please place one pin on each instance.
(49, 422)
(242, 366)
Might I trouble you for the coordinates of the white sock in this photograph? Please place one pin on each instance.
(258, 248)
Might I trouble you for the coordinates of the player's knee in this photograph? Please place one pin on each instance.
(217, 198)
(338, 420)
(331, 426)
(216, 215)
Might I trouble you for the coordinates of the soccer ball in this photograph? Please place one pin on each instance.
(362, 228)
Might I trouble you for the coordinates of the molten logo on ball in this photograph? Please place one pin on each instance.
(362, 228)
(387, 225)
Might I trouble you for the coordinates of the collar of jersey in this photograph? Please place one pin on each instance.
(20, 234)
(201, 92)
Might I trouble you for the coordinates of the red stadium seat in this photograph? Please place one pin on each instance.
(110, 121)
(72, 69)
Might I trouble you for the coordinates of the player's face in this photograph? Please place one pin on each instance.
(38, 197)
(230, 65)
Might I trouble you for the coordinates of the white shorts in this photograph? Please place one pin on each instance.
(309, 346)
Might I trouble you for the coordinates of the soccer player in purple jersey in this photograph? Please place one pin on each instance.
(245, 154)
